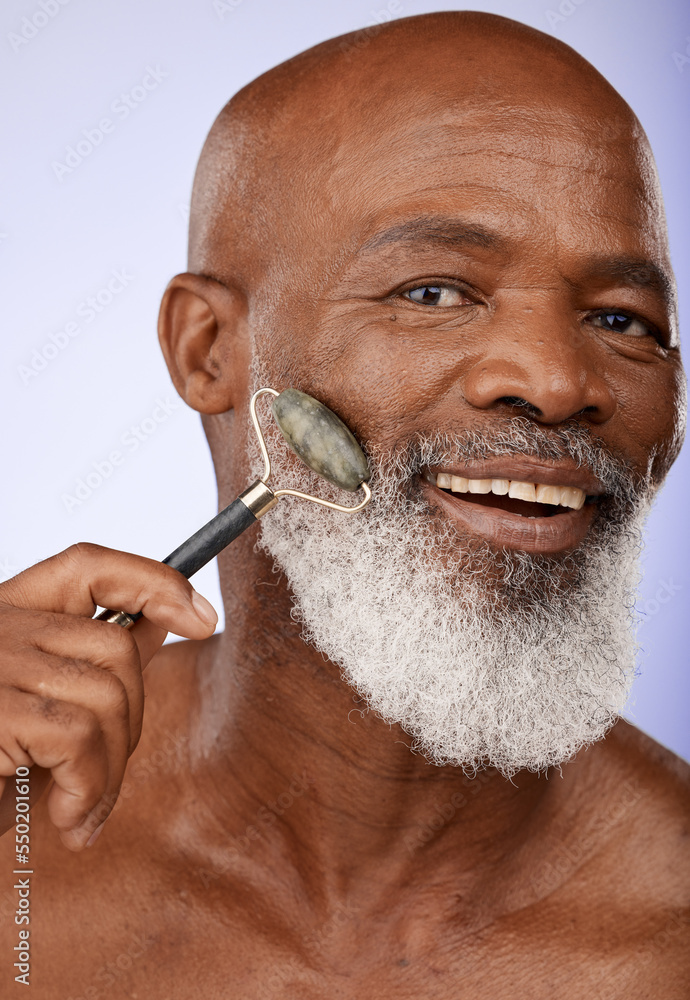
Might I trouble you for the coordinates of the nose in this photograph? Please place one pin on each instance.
(548, 372)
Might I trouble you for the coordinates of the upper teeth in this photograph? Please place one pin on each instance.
(564, 496)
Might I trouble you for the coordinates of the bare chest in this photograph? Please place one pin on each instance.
(131, 942)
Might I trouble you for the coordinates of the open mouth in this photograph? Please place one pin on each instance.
(519, 513)
(516, 497)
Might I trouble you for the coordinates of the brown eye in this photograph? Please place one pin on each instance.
(435, 295)
(621, 323)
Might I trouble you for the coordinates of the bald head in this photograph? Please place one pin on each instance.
(285, 149)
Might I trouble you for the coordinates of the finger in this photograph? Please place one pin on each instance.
(79, 683)
(85, 576)
(68, 740)
(148, 637)
(74, 643)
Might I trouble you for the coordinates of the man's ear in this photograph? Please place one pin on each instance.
(203, 335)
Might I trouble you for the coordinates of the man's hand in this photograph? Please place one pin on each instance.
(71, 690)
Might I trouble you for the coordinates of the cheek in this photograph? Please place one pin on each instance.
(382, 379)
(650, 418)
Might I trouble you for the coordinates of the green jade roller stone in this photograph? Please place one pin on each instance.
(321, 439)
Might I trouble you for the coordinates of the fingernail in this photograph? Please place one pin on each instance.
(95, 835)
(204, 610)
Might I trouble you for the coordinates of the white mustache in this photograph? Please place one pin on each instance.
(517, 437)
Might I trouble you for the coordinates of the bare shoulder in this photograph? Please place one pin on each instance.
(613, 875)
(645, 796)
(648, 856)
(637, 792)
(621, 833)
(661, 777)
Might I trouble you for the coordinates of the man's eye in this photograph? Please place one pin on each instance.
(621, 323)
(436, 295)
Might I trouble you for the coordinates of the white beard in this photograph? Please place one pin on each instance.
(485, 658)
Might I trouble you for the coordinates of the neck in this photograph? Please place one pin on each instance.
(291, 760)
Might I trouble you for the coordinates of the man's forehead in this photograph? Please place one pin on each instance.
(497, 207)
(441, 140)
(336, 135)
(513, 163)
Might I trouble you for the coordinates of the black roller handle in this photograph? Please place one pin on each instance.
(198, 550)
(211, 539)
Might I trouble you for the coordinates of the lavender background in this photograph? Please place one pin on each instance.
(123, 208)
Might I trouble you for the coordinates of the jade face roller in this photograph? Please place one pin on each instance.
(318, 437)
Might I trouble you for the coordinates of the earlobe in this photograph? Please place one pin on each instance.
(202, 333)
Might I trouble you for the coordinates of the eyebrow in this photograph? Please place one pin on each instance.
(452, 233)
(436, 232)
(637, 272)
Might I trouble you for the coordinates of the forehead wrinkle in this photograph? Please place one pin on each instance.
(449, 232)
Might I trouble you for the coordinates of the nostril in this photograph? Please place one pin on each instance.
(522, 404)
